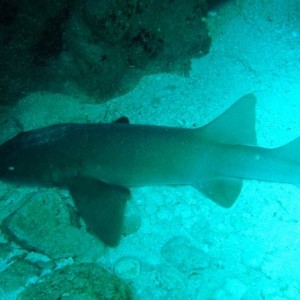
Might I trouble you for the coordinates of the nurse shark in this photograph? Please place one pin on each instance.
(98, 163)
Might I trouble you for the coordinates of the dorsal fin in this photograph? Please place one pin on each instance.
(290, 150)
(236, 125)
(122, 120)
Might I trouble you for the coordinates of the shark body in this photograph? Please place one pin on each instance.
(99, 162)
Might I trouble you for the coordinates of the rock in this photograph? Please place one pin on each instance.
(101, 48)
(43, 224)
(12, 199)
(40, 260)
(127, 268)
(33, 37)
(48, 109)
(183, 255)
(79, 281)
(8, 252)
(17, 274)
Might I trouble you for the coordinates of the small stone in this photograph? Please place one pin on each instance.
(127, 268)
(40, 260)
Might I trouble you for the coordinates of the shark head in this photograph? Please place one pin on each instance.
(16, 160)
(12, 163)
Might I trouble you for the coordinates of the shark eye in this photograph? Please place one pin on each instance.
(11, 168)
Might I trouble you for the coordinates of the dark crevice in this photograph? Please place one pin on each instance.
(50, 43)
(8, 12)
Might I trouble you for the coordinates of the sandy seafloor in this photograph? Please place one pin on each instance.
(251, 251)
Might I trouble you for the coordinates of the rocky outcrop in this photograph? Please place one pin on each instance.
(79, 281)
(45, 224)
(101, 48)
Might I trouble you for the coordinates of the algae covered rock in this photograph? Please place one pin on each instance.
(17, 274)
(44, 224)
(79, 281)
(100, 48)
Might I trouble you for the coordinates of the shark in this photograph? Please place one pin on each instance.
(99, 162)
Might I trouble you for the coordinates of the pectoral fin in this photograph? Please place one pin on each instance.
(222, 190)
(101, 206)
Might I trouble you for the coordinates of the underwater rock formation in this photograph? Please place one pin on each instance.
(16, 275)
(44, 224)
(30, 34)
(79, 281)
(101, 48)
